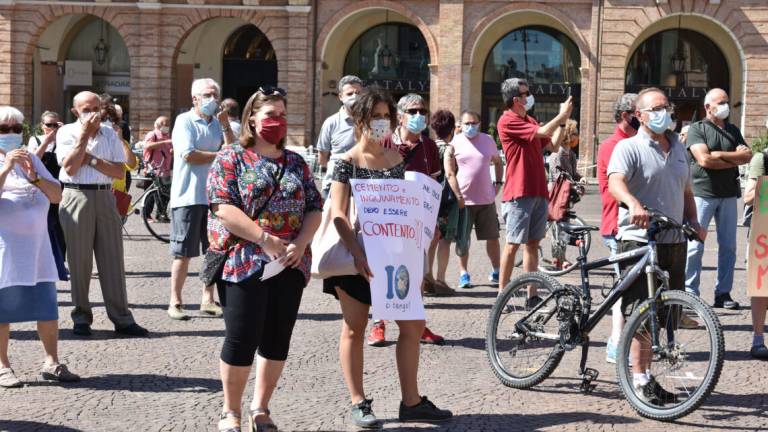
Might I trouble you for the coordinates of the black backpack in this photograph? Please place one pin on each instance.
(49, 159)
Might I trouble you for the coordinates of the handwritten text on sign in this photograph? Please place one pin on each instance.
(393, 218)
(757, 260)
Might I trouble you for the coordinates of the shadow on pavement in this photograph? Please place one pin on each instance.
(319, 316)
(522, 422)
(21, 426)
(100, 335)
(146, 383)
(460, 306)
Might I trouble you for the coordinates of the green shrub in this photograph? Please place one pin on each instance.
(759, 144)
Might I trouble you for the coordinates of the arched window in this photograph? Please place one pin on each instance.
(546, 58)
(249, 62)
(393, 55)
(685, 64)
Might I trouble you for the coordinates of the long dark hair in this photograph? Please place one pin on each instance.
(256, 101)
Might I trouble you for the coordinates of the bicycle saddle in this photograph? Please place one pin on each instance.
(576, 229)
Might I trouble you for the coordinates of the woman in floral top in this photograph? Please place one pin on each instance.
(264, 206)
(374, 116)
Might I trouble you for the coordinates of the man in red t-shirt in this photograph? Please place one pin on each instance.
(421, 155)
(626, 126)
(524, 197)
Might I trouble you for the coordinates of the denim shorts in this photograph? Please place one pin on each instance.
(525, 219)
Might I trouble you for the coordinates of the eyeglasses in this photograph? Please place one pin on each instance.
(16, 128)
(659, 109)
(51, 125)
(524, 94)
(414, 111)
(269, 90)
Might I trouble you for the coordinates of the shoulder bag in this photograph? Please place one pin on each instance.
(330, 257)
(213, 260)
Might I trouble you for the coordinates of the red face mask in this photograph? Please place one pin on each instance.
(273, 129)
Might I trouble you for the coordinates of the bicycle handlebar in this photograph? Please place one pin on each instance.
(664, 222)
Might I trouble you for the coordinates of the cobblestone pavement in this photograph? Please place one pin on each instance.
(170, 381)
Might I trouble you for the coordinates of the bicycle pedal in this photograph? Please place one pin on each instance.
(587, 376)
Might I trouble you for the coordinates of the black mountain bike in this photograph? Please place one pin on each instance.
(536, 319)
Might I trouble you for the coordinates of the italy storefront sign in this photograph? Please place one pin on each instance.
(757, 258)
(400, 85)
(397, 220)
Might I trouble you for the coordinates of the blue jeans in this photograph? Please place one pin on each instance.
(725, 213)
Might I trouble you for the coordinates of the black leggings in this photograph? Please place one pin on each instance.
(260, 315)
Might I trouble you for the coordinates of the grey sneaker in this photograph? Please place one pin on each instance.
(424, 411)
(363, 416)
(59, 373)
(8, 379)
(177, 312)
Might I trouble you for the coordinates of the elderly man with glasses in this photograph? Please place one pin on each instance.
(197, 137)
(91, 156)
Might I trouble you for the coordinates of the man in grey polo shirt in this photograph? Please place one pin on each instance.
(338, 132)
(651, 170)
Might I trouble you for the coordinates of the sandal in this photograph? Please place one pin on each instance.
(226, 416)
(261, 427)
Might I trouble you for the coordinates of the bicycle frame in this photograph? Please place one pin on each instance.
(646, 263)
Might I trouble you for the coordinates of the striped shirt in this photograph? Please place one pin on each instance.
(105, 145)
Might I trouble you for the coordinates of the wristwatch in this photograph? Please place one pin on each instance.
(93, 162)
(35, 181)
(226, 129)
(263, 238)
(562, 125)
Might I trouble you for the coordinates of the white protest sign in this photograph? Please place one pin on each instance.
(432, 192)
(390, 214)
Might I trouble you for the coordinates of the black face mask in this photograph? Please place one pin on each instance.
(635, 123)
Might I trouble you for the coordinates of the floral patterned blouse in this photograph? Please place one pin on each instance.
(242, 178)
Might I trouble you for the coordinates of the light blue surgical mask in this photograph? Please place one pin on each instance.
(10, 142)
(658, 122)
(416, 123)
(208, 106)
(470, 130)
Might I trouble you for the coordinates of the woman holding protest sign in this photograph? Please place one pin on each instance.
(374, 115)
(757, 169)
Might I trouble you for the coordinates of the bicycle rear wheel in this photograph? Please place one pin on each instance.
(556, 256)
(687, 363)
(520, 360)
(159, 227)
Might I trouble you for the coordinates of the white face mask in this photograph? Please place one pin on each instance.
(529, 102)
(722, 111)
(164, 129)
(348, 101)
(380, 128)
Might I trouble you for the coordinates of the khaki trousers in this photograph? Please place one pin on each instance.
(92, 227)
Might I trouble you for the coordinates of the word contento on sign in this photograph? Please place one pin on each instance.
(397, 219)
(757, 259)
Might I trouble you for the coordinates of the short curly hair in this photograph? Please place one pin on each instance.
(443, 123)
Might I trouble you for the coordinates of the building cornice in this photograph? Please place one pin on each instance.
(154, 6)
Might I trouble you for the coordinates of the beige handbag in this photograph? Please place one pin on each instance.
(330, 257)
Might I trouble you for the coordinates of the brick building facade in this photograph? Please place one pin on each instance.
(593, 49)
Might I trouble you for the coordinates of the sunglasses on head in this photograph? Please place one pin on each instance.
(17, 128)
(414, 111)
(51, 125)
(269, 90)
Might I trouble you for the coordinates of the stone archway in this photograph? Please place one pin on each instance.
(343, 29)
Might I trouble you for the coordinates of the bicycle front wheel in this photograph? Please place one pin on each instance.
(686, 365)
(519, 359)
(160, 225)
(556, 256)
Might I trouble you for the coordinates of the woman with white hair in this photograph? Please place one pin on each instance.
(27, 269)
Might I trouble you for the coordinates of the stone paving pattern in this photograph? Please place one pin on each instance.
(170, 381)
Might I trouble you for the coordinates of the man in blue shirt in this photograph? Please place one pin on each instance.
(197, 136)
